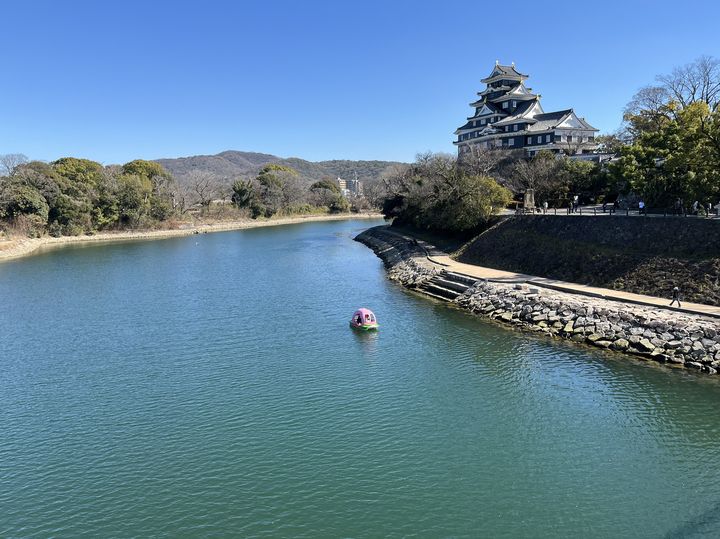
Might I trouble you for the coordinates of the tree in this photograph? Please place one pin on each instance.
(694, 82)
(674, 130)
(326, 184)
(19, 199)
(437, 192)
(243, 193)
(543, 173)
(10, 161)
(133, 198)
(204, 187)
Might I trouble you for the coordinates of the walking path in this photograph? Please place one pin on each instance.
(441, 258)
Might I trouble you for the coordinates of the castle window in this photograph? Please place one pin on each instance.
(515, 127)
(514, 103)
(547, 138)
(511, 142)
(539, 139)
(505, 104)
(558, 137)
(529, 140)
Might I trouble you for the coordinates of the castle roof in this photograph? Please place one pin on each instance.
(566, 119)
(501, 72)
(526, 112)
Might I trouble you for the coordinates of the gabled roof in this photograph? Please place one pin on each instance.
(500, 72)
(486, 110)
(573, 121)
(527, 112)
(553, 120)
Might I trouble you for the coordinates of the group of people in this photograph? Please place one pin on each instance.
(697, 208)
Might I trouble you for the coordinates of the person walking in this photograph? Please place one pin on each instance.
(676, 297)
(545, 206)
(695, 207)
(641, 207)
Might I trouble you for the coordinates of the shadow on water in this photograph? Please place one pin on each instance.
(706, 524)
(368, 341)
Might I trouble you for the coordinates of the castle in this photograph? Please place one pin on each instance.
(508, 115)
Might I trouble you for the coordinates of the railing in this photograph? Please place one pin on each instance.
(636, 212)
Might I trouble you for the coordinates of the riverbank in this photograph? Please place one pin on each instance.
(16, 248)
(644, 331)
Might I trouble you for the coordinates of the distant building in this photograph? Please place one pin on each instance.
(350, 187)
(508, 115)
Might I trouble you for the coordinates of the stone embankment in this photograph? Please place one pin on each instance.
(677, 339)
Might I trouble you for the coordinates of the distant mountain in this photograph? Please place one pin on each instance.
(231, 165)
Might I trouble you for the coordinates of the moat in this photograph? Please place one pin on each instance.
(210, 385)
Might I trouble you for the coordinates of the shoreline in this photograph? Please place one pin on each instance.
(17, 248)
(675, 339)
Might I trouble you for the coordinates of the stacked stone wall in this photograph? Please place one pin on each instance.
(679, 339)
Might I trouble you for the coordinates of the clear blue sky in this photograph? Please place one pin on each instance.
(114, 81)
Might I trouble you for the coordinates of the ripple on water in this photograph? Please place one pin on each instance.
(169, 388)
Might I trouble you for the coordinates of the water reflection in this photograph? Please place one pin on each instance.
(228, 367)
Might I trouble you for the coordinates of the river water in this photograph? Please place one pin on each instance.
(210, 386)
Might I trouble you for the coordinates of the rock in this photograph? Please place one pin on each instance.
(657, 342)
(672, 345)
(693, 365)
(645, 346)
(568, 327)
(593, 337)
(507, 317)
(603, 343)
(620, 344)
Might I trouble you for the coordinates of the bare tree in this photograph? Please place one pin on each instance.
(696, 81)
(542, 174)
(10, 161)
(204, 186)
(482, 161)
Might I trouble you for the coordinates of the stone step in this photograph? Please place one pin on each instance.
(440, 290)
(436, 296)
(459, 278)
(452, 285)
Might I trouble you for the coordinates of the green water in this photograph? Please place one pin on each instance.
(209, 386)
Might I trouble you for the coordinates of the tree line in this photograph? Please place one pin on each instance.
(72, 196)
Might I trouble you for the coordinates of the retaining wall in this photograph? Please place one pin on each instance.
(682, 340)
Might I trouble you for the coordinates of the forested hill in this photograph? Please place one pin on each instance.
(231, 165)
